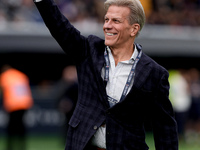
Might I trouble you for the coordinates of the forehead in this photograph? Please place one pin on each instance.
(117, 11)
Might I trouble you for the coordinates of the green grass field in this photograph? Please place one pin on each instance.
(53, 142)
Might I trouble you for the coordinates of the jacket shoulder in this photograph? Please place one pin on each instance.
(93, 39)
(96, 43)
(153, 63)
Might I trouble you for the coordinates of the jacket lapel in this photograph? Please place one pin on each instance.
(99, 62)
(142, 71)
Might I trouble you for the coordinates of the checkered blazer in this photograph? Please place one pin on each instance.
(148, 97)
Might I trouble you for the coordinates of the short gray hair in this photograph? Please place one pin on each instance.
(137, 14)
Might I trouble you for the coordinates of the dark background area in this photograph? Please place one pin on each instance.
(38, 66)
(49, 66)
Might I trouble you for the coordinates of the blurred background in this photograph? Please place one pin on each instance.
(171, 37)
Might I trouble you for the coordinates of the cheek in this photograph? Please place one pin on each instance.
(126, 33)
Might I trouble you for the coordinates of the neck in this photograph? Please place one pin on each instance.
(121, 54)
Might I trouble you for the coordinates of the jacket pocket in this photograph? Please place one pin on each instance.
(74, 122)
(77, 115)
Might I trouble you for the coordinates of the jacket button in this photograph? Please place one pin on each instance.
(95, 127)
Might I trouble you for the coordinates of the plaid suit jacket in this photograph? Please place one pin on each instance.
(124, 121)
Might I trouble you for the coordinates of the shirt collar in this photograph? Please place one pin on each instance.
(133, 57)
(135, 53)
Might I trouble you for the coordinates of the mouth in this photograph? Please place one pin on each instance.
(111, 34)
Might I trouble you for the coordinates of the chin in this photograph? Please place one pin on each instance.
(108, 43)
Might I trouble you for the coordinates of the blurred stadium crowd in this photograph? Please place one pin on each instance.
(185, 98)
(170, 12)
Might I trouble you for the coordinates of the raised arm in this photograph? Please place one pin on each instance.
(66, 35)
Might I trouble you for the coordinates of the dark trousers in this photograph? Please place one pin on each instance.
(16, 131)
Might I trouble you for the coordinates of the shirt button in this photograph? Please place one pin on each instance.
(95, 127)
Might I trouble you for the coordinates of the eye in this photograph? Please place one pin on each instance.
(116, 20)
(106, 19)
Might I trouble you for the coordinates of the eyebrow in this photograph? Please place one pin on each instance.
(118, 18)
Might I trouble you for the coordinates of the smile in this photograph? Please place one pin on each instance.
(111, 34)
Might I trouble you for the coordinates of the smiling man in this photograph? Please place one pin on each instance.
(119, 33)
(119, 85)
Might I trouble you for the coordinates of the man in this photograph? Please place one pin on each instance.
(17, 99)
(108, 114)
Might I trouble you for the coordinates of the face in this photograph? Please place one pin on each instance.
(117, 29)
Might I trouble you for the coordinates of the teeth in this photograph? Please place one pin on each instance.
(110, 34)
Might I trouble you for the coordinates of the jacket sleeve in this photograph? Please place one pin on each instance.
(67, 36)
(164, 124)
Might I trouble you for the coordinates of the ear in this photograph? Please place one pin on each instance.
(135, 29)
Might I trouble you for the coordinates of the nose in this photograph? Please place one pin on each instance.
(107, 25)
